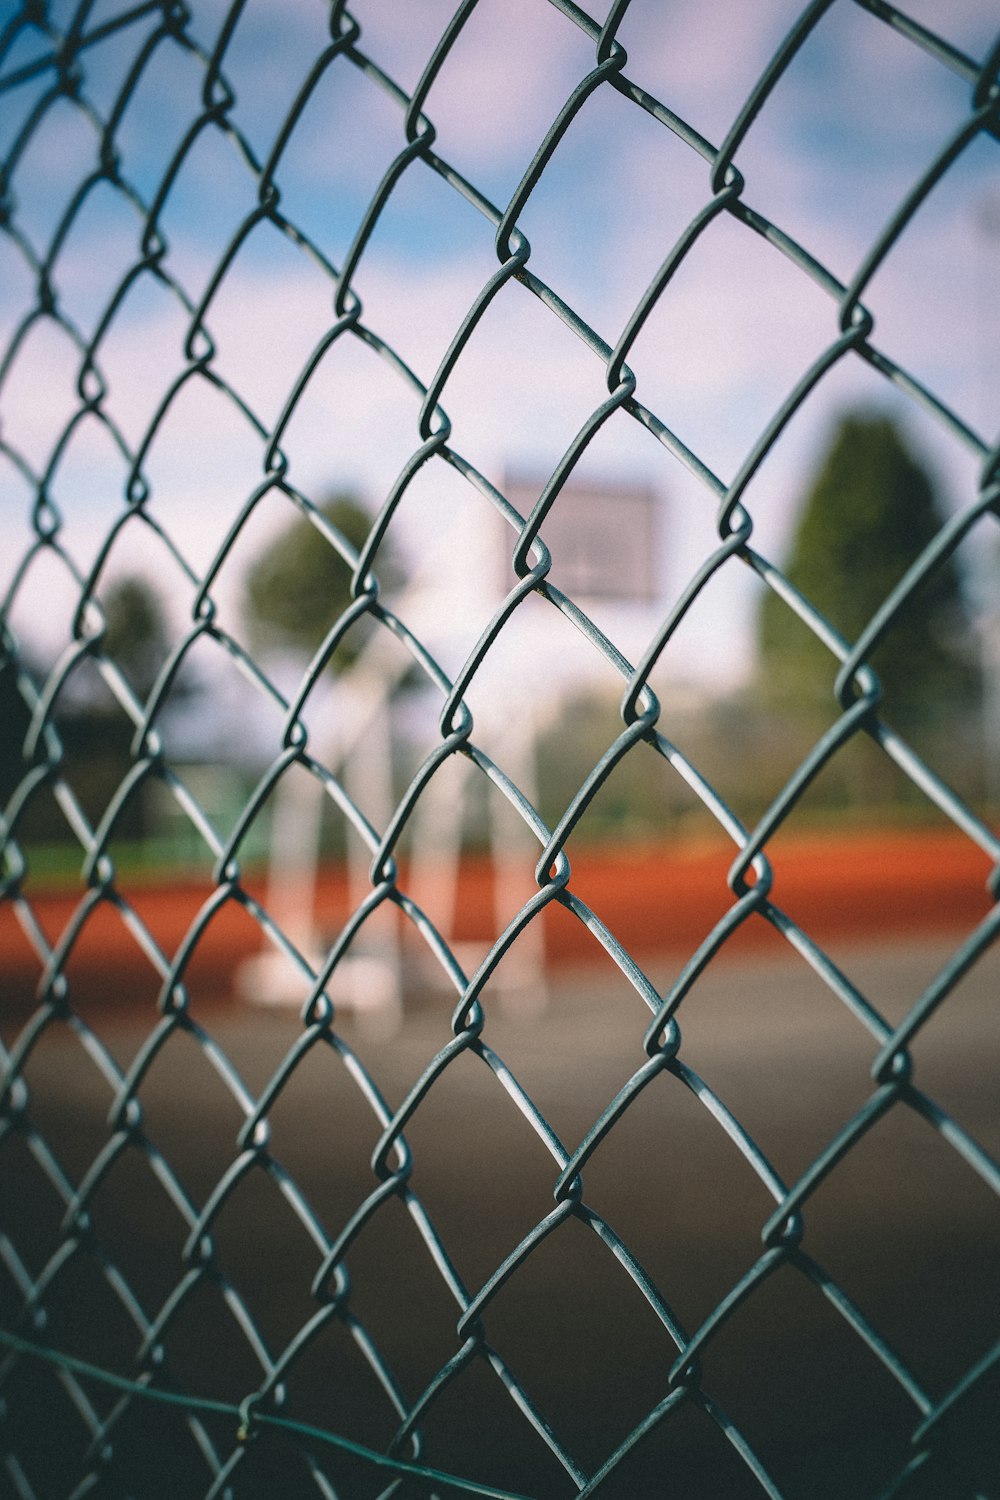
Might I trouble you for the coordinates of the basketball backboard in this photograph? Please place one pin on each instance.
(603, 537)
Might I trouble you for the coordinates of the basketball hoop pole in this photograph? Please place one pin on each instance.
(366, 980)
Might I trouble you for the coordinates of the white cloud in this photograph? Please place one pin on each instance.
(732, 334)
(702, 60)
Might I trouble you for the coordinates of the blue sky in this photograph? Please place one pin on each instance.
(849, 129)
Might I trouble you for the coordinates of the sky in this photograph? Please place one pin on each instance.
(851, 126)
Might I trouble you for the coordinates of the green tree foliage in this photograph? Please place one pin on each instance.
(15, 718)
(94, 733)
(135, 636)
(869, 513)
(297, 590)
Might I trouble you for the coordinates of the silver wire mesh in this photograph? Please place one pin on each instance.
(254, 1407)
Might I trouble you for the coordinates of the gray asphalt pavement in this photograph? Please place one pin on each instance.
(904, 1225)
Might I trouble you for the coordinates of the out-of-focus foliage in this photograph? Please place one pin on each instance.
(15, 718)
(93, 731)
(870, 511)
(299, 588)
(135, 635)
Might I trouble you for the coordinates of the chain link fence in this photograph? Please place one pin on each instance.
(251, 1252)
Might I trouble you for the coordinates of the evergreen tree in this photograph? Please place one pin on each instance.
(870, 511)
(15, 717)
(135, 635)
(299, 587)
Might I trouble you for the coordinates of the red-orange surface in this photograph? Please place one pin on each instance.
(653, 897)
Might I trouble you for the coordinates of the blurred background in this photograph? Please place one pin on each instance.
(858, 115)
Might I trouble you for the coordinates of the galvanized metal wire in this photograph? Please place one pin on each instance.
(48, 56)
